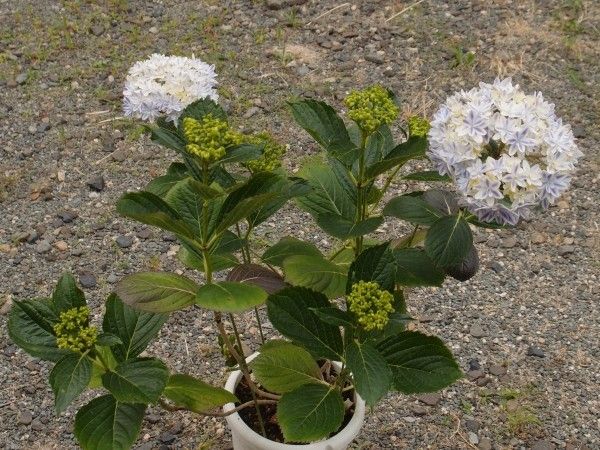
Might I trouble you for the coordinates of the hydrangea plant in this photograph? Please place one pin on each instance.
(347, 306)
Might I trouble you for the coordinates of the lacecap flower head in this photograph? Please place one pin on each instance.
(370, 108)
(209, 137)
(370, 304)
(418, 126)
(73, 331)
(271, 156)
(165, 85)
(506, 151)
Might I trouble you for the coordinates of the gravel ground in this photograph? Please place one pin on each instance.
(525, 329)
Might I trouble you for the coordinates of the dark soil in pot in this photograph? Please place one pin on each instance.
(269, 413)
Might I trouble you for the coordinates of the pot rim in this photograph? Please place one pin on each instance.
(235, 421)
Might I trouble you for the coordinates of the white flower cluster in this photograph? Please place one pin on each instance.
(506, 151)
(165, 85)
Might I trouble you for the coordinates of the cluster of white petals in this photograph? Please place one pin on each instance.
(164, 85)
(506, 151)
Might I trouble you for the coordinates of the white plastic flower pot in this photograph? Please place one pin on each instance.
(245, 438)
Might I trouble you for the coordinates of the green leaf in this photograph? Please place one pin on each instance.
(69, 377)
(310, 413)
(288, 246)
(138, 380)
(167, 138)
(415, 268)
(196, 395)
(413, 209)
(26, 332)
(162, 185)
(343, 228)
(448, 240)
(444, 201)
(285, 367)
(42, 312)
(334, 316)
(284, 190)
(316, 273)
(257, 275)
(419, 363)
(371, 374)
(413, 148)
(66, 294)
(187, 198)
(467, 268)
(200, 108)
(241, 153)
(152, 210)
(427, 175)
(328, 195)
(374, 264)
(218, 262)
(229, 296)
(108, 340)
(134, 328)
(157, 292)
(379, 144)
(327, 128)
(289, 312)
(106, 424)
(243, 209)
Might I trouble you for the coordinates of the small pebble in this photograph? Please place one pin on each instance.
(124, 241)
(87, 280)
(535, 351)
(25, 417)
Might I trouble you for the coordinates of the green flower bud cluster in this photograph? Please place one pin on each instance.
(418, 126)
(272, 153)
(371, 108)
(370, 304)
(73, 331)
(209, 137)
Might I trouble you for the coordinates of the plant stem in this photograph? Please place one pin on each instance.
(167, 406)
(247, 258)
(244, 367)
(360, 198)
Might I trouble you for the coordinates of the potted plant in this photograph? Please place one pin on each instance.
(343, 315)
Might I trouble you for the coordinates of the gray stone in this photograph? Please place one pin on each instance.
(430, 399)
(67, 216)
(472, 425)
(96, 183)
(302, 70)
(476, 331)
(535, 351)
(37, 425)
(124, 241)
(43, 247)
(565, 250)
(418, 410)
(97, 30)
(251, 112)
(485, 444)
(473, 438)
(543, 445)
(509, 242)
(374, 58)
(167, 438)
(153, 418)
(146, 233)
(280, 4)
(22, 78)
(496, 266)
(474, 364)
(87, 280)
(25, 417)
(497, 370)
(112, 278)
(475, 374)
